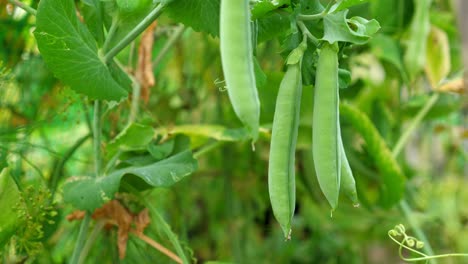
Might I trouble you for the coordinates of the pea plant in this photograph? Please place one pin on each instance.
(292, 105)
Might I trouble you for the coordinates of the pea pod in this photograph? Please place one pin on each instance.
(348, 184)
(237, 61)
(325, 132)
(281, 169)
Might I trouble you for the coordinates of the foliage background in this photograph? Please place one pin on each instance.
(222, 211)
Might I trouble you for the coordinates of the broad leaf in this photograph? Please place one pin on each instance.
(356, 30)
(87, 193)
(200, 15)
(71, 52)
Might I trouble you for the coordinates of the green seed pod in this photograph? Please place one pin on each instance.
(325, 132)
(348, 184)
(237, 60)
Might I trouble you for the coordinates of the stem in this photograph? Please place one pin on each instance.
(408, 213)
(158, 246)
(78, 252)
(24, 6)
(90, 241)
(97, 126)
(316, 16)
(81, 239)
(405, 207)
(414, 124)
(169, 44)
(153, 15)
(57, 171)
(207, 148)
(111, 33)
(307, 33)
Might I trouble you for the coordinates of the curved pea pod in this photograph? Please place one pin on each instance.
(281, 169)
(237, 61)
(325, 132)
(348, 184)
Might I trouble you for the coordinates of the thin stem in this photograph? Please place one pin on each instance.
(81, 239)
(24, 6)
(316, 16)
(112, 161)
(90, 241)
(307, 33)
(158, 246)
(405, 207)
(111, 33)
(207, 148)
(97, 127)
(153, 15)
(414, 124)
(57, 171)
(169, 44)
(408, 213)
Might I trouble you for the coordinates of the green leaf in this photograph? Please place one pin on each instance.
(272, 26)
(388, 49)
(356, 30)
(262, 7)
(344, 78)
(345, 4)
(133, 137)
(92, 14)
(208, 131)
(87, 193)
(9, 201)
(200, 15)
(71, 52)
(162, 150)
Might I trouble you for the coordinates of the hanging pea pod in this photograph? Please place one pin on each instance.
(281, 169)
(237, 60)
(348, 184)
(325, 132)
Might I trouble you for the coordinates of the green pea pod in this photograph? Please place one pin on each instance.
(237, 60)
(348, 184)
(281, 176)
(325, 132)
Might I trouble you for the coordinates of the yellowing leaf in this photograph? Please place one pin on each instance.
(437, 66)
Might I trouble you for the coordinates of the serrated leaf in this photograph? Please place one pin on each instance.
(356, 30)
(438, 56)
(71, 52)
(200, 15)
(87, 193)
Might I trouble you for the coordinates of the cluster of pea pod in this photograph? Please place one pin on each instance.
(332, 167)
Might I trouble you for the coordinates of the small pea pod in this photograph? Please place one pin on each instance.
(281, 169)
(237, 61)
(348, 184)
(325, 132)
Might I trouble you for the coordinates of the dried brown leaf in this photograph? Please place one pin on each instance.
(76, 215)
(144, 72)
(142, 220)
